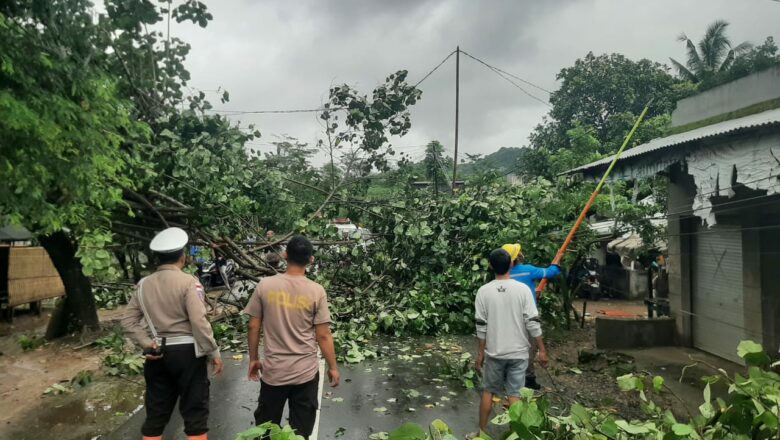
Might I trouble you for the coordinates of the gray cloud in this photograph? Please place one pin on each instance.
(286, 54)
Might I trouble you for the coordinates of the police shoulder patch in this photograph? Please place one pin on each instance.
(200, 290)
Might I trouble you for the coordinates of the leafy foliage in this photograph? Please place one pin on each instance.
(111, 297)
(371, 121)
(61, 122)
(120, 360)
(754, 60)
(752, 410)
(596, 105)
(716, 60)
(57, 389)
(715, 53)
(28, 343)
(419, 273)
(269, 431)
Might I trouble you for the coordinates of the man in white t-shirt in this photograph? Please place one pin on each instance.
(506, 317)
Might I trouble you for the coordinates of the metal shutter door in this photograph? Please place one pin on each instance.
(718, 318)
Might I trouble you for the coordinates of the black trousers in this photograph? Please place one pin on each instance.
(302, 401)
(178, 375)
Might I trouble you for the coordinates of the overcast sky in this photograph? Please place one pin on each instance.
(273, 55)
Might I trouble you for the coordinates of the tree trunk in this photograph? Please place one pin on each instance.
(136, 263)
(122, 258)
(77, 310)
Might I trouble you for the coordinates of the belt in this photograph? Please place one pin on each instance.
(176, 340)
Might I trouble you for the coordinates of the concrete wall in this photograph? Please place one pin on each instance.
(638, 284)
(744, 92)
(751, 275)
(758, 217)
(770, 280)
(617, 333)
(680, 199)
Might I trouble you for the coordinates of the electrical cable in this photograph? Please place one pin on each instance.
(506, 78)
(315, 110)
(435, 68)
(505, 72)
(261, 112)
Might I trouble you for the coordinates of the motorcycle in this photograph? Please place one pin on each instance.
(589, 283)
(220, 272)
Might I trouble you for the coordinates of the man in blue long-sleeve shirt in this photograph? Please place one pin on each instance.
(529, 274)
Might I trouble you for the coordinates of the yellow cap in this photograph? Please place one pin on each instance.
(513, 249)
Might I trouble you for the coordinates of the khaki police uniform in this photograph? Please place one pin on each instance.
(168, 307)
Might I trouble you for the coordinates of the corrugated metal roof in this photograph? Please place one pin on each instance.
(14, 233)
(768, 117)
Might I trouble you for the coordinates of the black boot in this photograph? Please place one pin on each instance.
(530, 382)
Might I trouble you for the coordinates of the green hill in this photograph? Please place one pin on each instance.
(502, 160)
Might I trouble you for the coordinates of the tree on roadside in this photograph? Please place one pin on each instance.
(715, 53)
(434, 164)
(62, 124)
(93, 114)
(601, 96)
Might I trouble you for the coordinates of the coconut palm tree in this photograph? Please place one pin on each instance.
(714, 54)
(434, 157)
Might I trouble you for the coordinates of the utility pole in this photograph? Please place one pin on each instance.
(457, 108)
(435, 174)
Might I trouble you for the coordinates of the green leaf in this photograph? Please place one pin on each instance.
(501, 419)
(632, 429)
(753, 354)
(768, 419)
(658, 383)
(627, 382)
(532, 417)
(413, 394)
(408, 431)
(440, 426)
(682, 430)
(610, 429)
(580, 415)
(748, 347)
(707, 410)
(253, 433)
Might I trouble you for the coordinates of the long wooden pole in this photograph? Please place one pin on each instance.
(592, 199)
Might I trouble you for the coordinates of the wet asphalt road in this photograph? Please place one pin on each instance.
(374, 396)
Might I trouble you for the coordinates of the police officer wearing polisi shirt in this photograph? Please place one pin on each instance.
(167, 317)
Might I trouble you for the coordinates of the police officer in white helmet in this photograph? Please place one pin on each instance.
(167, 318)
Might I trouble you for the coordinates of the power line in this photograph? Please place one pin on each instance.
(507, 79)
(529, 94)
(505, 72)
(435, 68)
(314, 110)
(262, 112)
